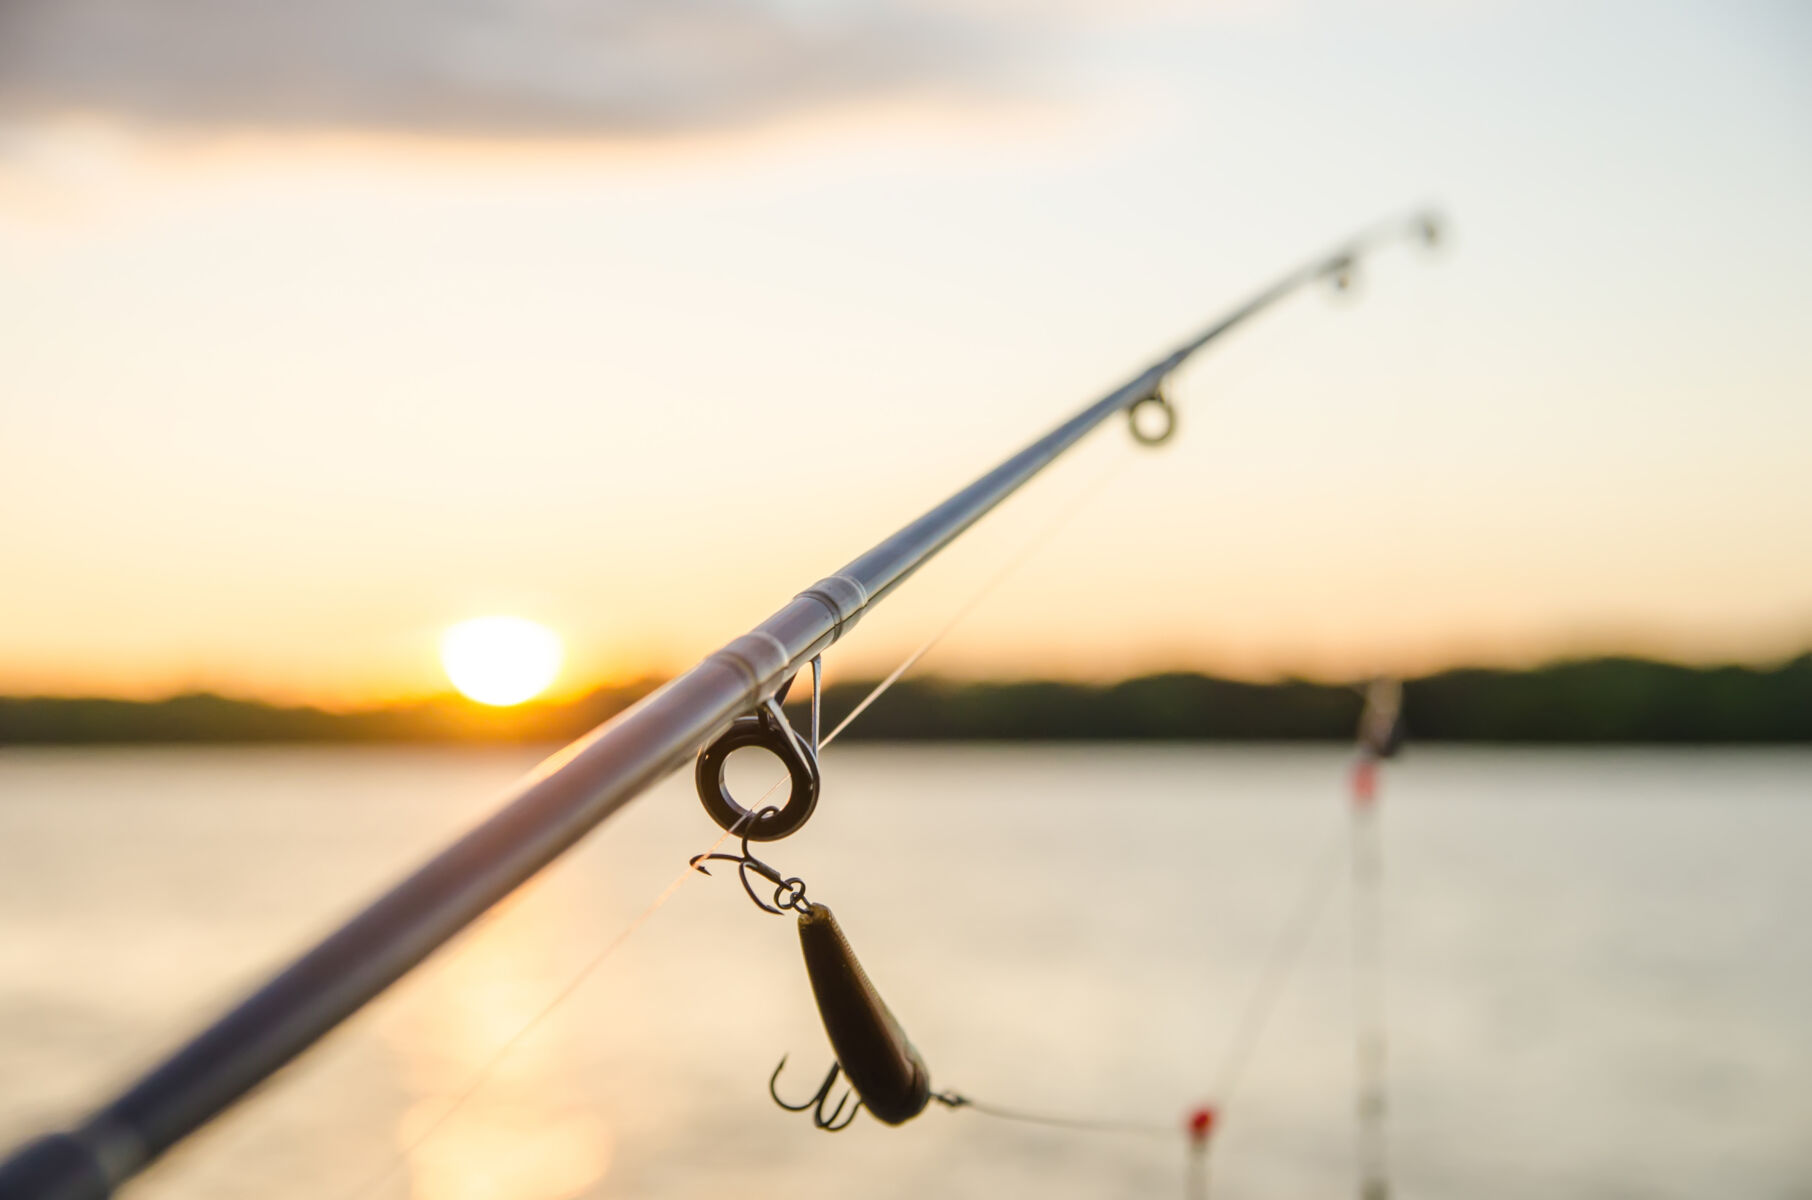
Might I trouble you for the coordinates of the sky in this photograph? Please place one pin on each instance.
(328, 326)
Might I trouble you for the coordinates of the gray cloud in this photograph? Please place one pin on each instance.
(499, 67)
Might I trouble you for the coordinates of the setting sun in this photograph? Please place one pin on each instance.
(500, 660)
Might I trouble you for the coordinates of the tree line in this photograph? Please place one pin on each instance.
(1605, 700)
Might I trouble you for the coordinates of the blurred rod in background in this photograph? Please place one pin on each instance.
(562, 800)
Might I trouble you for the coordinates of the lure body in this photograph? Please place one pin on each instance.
(880, 1062)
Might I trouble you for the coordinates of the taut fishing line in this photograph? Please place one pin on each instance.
(490, 1065)
(1080, 1124)
(1292, 939)
(1279, 965)
(1031, 547)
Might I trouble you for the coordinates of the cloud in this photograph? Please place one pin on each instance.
(487, 67)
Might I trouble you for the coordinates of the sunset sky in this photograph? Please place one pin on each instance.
(324, 327)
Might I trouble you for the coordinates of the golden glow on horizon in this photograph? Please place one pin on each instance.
(500, 661)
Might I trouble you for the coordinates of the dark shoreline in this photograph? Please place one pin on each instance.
(1596, 701)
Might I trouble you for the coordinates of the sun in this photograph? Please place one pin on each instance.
(500, 660)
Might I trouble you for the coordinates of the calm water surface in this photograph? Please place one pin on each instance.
(1600, 974)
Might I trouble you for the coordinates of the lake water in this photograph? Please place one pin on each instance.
(1599, 972)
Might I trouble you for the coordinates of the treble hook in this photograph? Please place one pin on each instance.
(789, 891)
(816, 1103)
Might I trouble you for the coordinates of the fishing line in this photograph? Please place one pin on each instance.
(1359, 848)
(489, 1067)
(1292, 939)
(1031, 547)
(1082, 1124)
(1319, 885)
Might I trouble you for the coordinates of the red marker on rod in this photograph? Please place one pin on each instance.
(1200, 1125)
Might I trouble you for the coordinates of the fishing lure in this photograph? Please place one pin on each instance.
(885, 1070)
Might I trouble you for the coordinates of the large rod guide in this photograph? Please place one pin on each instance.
(556, 805)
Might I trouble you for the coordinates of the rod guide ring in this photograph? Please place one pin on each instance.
(1150, 437)
(768, 731)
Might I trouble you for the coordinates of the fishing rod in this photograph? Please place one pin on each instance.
(734, 691)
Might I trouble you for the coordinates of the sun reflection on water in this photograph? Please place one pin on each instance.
(504, 1150)
(527, 1133)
